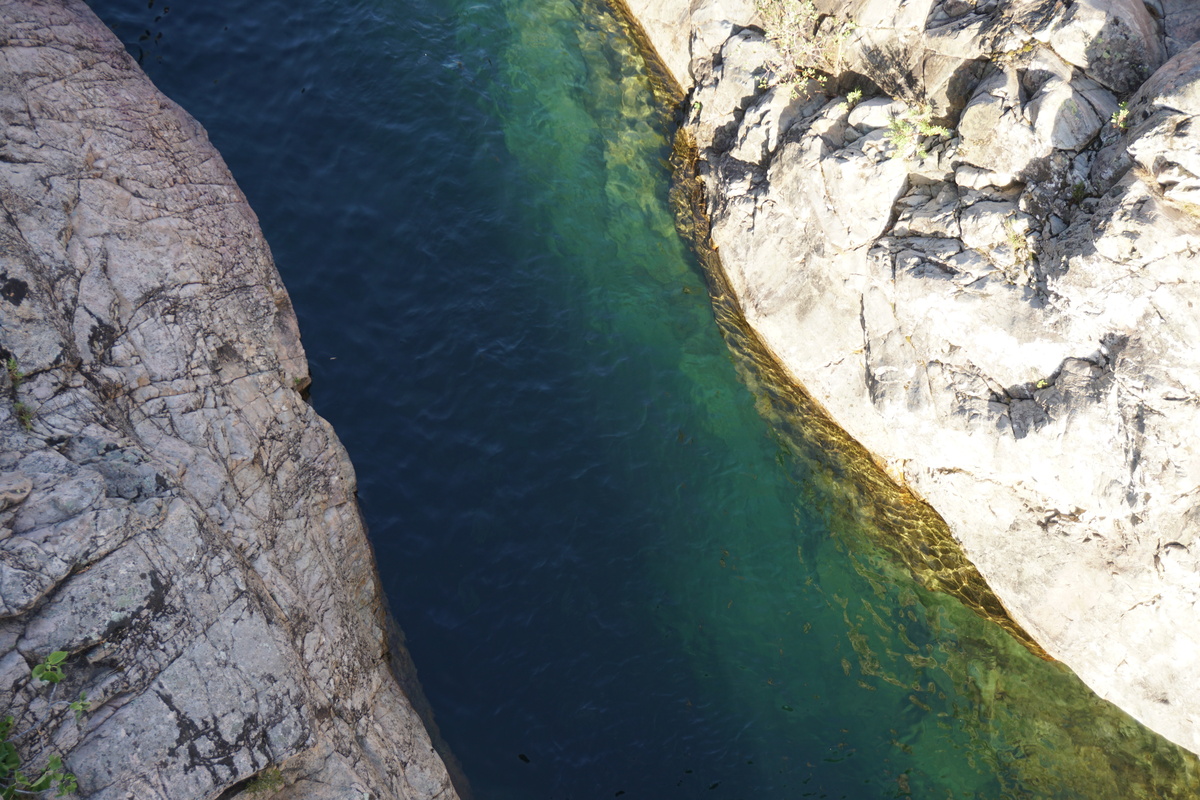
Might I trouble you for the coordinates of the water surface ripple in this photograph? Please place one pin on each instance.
(621, 573)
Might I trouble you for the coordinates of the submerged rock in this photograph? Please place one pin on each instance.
(1006, 316)
(174, 517)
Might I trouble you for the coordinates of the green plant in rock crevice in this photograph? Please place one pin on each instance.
(15, 378)
(15, 375)
(1079, 192)
(1120, 117)
(81, 706)
(270, 780)
(50, 670)
(906, 132)
(15, 781)
(853, 98)
(24, 415)
(1021, 252)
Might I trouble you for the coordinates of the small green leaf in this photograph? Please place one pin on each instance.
(48, 673)
(42, 783)
(57, 657)
(67, 784)
(80, 706)
(9, 759)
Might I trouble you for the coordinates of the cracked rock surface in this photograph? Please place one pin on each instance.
(173, 514)
(1008, 321)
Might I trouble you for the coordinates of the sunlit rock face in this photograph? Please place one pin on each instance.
(173, 515)
(1006, 313)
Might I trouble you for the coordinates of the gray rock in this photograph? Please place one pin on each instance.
(1062, 117)
(1180, 22)
(995, 133)
(14, 487)
(995, 230)
(1114, 41)
(969, 177)
(1102, 101)
(765, 123)
(1174, 87)
(173, 515)
(1012, 123)
(1168, 105)
(876, 112)
(734, 85)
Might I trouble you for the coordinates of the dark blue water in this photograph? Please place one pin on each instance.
(621, 572)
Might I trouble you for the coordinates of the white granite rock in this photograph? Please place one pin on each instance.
(1014, 333)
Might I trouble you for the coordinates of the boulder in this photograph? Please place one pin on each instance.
(1115, 42)
(1022, 114)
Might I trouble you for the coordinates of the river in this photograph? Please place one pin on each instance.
(624, 568)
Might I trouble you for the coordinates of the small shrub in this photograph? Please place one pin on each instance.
(810, 47)
(1017, 243)
(80, 706)
(908, 131)
(1120, 117)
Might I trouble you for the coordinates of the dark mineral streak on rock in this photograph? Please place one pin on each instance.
(172, 513)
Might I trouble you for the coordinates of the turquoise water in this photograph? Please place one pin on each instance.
(624, 565)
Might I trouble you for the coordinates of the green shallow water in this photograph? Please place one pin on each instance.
(630, 561)
(813, 615)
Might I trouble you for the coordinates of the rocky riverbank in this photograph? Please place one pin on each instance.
(1004, 314)
(174, 518)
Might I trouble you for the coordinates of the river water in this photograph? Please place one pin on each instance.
(623, 567)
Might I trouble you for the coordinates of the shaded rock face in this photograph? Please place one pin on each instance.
(173, 515)
(1010, 323)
